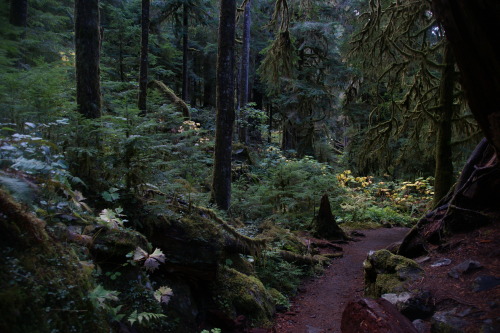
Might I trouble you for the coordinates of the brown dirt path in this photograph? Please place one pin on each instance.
(318, 306)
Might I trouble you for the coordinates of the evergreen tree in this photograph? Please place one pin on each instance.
(143, 71)
(221, 183)
(18, 12)
(244, 73)
(87, 52)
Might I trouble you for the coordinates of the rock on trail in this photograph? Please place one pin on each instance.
(318, 306)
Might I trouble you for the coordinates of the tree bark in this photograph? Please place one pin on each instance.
(472, 29)
(87, 56)
(143, 70)
(325, 224)
(244, 73)
(185, 54)
(221, 184)
(18, 13)
(444, 178)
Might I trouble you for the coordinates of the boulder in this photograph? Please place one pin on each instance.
(374, 316)
(388, 273)
(238, 294)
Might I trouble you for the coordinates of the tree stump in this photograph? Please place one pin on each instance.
(325, 225)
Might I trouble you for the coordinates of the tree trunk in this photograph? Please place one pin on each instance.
(185, 49)
(221, 185)
(472, 28)
(143, 70)
(87, 53)
(18, 13)
(289, 136)
(444, 178)
(245, 64)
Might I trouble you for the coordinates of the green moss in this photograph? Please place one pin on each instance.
(282, 238)
(278, 298)
(114, 244)
(240, 294)
(43, 287)
(388, 273)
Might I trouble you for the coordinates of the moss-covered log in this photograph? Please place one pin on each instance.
(44, 287)
(298, 259)
(172, 97)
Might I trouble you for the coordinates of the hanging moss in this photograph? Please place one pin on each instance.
(172, 97)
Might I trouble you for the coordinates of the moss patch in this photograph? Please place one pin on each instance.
(43, 286)
(240, 294)
(388, 273)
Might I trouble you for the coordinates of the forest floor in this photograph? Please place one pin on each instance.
(469, 301)
(318, 306)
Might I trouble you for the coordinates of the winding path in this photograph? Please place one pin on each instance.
(318, 306)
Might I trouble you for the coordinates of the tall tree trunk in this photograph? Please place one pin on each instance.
(244, 73)
(289, 136)
(143, 70)
(87, 53)
(18, 12)
(221, 185)
(185, 49)
(444, 178)
(472, 28)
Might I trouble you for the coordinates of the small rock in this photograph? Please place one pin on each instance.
(441, 262)
(485, 282)
(397, 298)
(420, 325)
(447, 322)
(422, 260)
(311, 329)
(464, 267)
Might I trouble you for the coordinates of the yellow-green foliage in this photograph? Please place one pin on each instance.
(43, 286)
(240, 294)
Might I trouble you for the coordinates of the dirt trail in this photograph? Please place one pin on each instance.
(318, 306)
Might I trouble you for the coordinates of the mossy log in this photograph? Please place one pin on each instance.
(19, 222)
(44, 285)
(172, 97)
(303, 260)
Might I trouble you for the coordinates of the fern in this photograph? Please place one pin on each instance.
(144, 316)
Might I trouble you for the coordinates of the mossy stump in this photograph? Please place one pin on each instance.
(325, 225)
